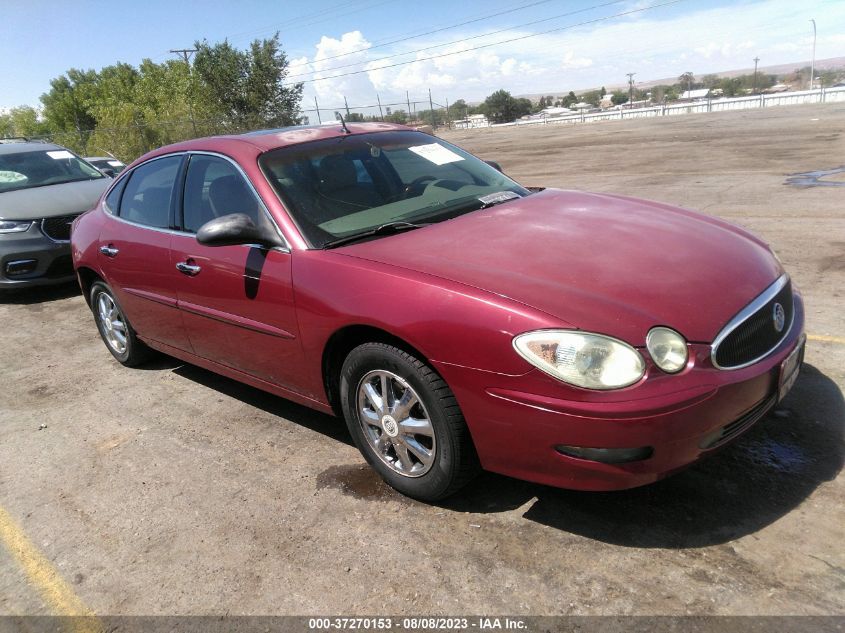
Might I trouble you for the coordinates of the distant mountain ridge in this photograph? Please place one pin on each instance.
(777, 69)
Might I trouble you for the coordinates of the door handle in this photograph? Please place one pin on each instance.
(109, 251)
(188, 269)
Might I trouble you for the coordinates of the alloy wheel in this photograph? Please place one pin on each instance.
(395, 423)
(111, 323)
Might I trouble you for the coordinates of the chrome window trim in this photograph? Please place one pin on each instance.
(752, 308)
(127, 173)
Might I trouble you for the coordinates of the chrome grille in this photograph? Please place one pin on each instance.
(58, 228)
(752, 334)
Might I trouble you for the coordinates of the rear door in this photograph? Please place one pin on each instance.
(135, 249)
(236, 301)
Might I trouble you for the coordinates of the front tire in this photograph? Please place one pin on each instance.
(406, 422)
(115, 329)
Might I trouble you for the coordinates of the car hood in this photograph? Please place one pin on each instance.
(602, 263)
(52, 200)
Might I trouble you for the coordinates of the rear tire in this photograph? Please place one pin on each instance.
(115, 329)
(406, 422)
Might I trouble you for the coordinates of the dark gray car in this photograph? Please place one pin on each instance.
(43, 187)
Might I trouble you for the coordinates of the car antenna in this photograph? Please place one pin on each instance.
(343, 123)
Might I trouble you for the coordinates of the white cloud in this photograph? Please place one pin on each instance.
(570, 61)
(655, 45)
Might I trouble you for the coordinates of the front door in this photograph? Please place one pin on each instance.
(236, 301)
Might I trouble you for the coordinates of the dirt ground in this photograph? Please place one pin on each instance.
(168, 489)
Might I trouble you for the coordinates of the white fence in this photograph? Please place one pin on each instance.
(821, 95)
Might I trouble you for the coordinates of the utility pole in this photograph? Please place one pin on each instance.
(317, 107)
(380, 113)
(431, 105)
(448, 120)
(813, 62)
(186, 53)
(631, 90)
(408, 98)
(754, 89)
(347, 107)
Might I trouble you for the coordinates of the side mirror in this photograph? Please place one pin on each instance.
(236, 228)
(108, 171)
(495, 165)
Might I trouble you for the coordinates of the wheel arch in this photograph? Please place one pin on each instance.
(342, 342)
(87, 277)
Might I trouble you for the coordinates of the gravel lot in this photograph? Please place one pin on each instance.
(169, 489)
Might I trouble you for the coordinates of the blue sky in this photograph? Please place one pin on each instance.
(42, 39)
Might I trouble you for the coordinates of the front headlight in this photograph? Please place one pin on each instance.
(668, 349)
(12, 226)
(592, 361)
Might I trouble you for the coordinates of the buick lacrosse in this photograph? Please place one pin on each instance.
(455, 319)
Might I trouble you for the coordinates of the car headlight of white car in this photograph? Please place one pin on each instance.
(591, 361)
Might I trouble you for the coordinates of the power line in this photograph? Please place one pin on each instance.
(332, 16)
(466, 39)
(292, 21)
(475, 48)
(382, 44)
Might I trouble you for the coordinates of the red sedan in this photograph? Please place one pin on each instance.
(454, 318)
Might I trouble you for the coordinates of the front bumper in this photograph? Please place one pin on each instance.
(50, 261)
(518, 421)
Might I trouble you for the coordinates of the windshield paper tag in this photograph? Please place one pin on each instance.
(500, 196)
(436, 153)
(60, 154)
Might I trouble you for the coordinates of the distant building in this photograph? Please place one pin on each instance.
(555, 111)
(472, 121)
(692, 95)
(777, 88)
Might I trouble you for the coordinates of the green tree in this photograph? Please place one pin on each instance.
(502, 107)
(398, 116)
(592, 97)
(686, 80)
(567, 101)
(23, 121)
(67, 106)
(618, 97)
(246, 89)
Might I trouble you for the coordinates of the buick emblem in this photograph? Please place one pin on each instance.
(779, 317)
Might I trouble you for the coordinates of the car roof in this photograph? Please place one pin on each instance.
(27, 146)
(260, 141)
(102, 158)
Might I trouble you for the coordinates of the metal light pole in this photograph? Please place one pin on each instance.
(813, 62)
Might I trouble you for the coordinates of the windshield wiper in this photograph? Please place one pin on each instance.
(389, 228)
(476, 203)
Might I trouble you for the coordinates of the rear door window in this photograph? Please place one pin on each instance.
(148, 195)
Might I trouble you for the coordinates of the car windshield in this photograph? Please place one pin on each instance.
(349, 185)
(25, 170)
(107, 163)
